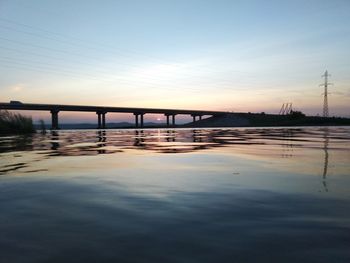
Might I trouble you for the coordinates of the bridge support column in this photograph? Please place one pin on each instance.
(194, 118)
(141, 119)
(99, 126)
(103, 120)
(173, 120)
(54, 119)
(167, 120)
(136, 120)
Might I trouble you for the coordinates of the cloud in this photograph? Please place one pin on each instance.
(17, 88)
(341, 93)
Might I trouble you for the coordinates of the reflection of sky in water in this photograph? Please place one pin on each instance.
(223, 192)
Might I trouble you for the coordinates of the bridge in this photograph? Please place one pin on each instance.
(101, 112)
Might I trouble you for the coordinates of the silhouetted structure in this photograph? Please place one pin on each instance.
(325, 94)
(102, 111)
(286, 108)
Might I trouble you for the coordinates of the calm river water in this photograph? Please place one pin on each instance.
(205, 195)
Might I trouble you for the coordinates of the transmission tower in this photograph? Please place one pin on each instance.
(325, 94)
(286, 108)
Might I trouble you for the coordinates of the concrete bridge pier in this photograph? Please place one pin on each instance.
(139, 122)
(167, 120)
(136, 120)
(99, 123)
(103, 120)
(54, 119)
(194, 118)
(141, 119)
(173, 120)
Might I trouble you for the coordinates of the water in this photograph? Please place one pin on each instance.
(206, 195)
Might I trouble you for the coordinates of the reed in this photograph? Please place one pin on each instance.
(15, 123)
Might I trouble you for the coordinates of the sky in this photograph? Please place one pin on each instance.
(243, 56)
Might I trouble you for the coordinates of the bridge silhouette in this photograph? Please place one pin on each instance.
(101, 112)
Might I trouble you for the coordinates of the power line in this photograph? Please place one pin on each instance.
(51, 69)
(79, 55)
(102, 71)
(223, 82)
(42, 66)
(86, 44)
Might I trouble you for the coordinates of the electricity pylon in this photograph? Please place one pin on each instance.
(325, 94)
(286, 108)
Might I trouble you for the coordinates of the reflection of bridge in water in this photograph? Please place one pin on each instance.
(167, 140)
(141, 140)
(104, 142)
(89, 142)
(256, 142)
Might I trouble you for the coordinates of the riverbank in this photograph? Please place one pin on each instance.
(267, 120)
(224, 120)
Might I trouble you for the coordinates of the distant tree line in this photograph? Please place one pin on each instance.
(296, 114)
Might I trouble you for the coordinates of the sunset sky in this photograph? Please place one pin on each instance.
(213, 55)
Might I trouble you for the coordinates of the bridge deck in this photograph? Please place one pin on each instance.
(102, 110)
(59, 107)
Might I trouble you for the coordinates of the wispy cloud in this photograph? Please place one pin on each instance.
(16, 88)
